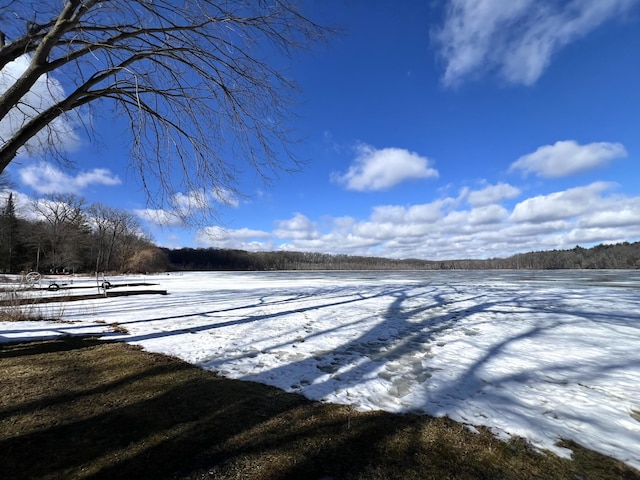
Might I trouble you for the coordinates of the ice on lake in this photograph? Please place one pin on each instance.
(543, 355)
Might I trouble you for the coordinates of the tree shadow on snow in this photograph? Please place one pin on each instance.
(393, 357)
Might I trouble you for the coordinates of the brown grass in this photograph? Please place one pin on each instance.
(22, 304)
(14, 308)
(80, 408)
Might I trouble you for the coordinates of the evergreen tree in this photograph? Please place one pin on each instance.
(8, 235)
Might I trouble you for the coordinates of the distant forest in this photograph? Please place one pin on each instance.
(619, 256)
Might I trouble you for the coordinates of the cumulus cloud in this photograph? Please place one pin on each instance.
(59, 134)
(567, 158)
(47, 179)
(488, 215)
(421, 213)
(380, 169)
(226, 197)
(299, 227)
(447, 228)
(202, 200)
(516, 39)
(561, 205)
(184, 204)
(492, 194)
(191, 201)
(618, 213)
(243, 238)
(160, 217)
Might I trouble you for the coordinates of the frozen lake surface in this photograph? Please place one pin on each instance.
(543, 355)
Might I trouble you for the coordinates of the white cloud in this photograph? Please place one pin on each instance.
(422, 213)
(381, 169)
(243, 238)
(515, 38)
(617, 213)
(226, 197)
(186, 203)
(182, 206)
(191, 201)
(389, 214)
(491, 194)
(47, 179)
(567, 157)
(487, 215)
(201, 200)
(561, 205)
(388, 231)
(59, 134)
(443, 229)
(159, 217)
(447, 228)
(529, 232)
(299, 227)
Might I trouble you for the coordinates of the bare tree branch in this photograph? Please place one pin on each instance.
(199, 82)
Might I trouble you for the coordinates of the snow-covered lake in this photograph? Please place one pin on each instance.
(542, 355)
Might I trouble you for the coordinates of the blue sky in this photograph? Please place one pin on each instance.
(433, 129)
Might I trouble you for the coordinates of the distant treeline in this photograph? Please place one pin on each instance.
(619, 256)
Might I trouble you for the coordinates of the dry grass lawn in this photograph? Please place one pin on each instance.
(81, 408)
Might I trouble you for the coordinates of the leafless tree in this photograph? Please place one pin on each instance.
(63, 232)
(115, 230)
(200, 82)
